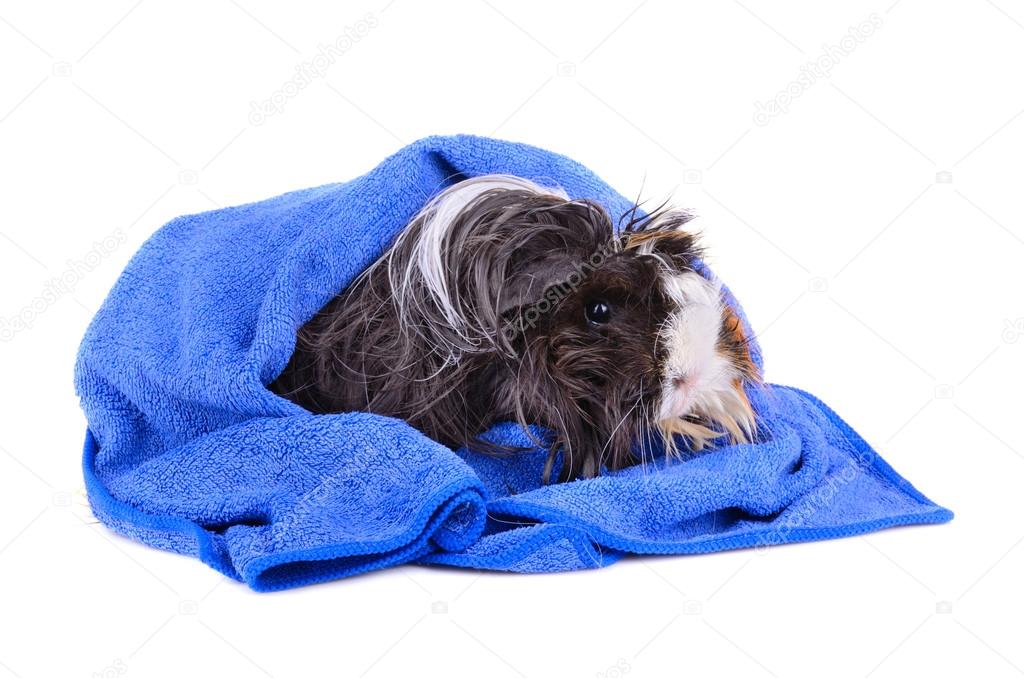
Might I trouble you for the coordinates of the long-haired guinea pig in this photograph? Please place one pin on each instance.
(504, 300)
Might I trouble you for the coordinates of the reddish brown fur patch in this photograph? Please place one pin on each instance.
(734, 344)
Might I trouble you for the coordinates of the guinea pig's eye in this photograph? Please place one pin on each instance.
(597, 311)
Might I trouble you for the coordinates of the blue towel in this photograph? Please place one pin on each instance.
(188, 451)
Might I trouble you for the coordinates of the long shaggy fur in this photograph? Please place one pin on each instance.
(477, 314)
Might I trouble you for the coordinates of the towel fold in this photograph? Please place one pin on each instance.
(188, 451)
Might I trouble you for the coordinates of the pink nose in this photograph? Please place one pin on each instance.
(681, 396)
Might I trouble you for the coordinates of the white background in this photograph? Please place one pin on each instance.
(888, 289)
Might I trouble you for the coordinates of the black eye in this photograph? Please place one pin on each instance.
(597, 311)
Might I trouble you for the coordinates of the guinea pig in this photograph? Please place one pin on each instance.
(503, 300)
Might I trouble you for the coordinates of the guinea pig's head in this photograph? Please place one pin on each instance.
(633, 346)
(611, 337)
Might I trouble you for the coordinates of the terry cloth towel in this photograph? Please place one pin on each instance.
(188, 451)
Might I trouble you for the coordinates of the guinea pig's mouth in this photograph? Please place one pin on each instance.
(700, 417)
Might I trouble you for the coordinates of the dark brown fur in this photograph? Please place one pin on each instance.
(526, 352)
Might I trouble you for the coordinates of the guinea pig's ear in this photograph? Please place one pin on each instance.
(548, 245)
(662, 232)
(529, 280)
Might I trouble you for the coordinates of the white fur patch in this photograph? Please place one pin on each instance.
(427, 262)
(698, 381)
